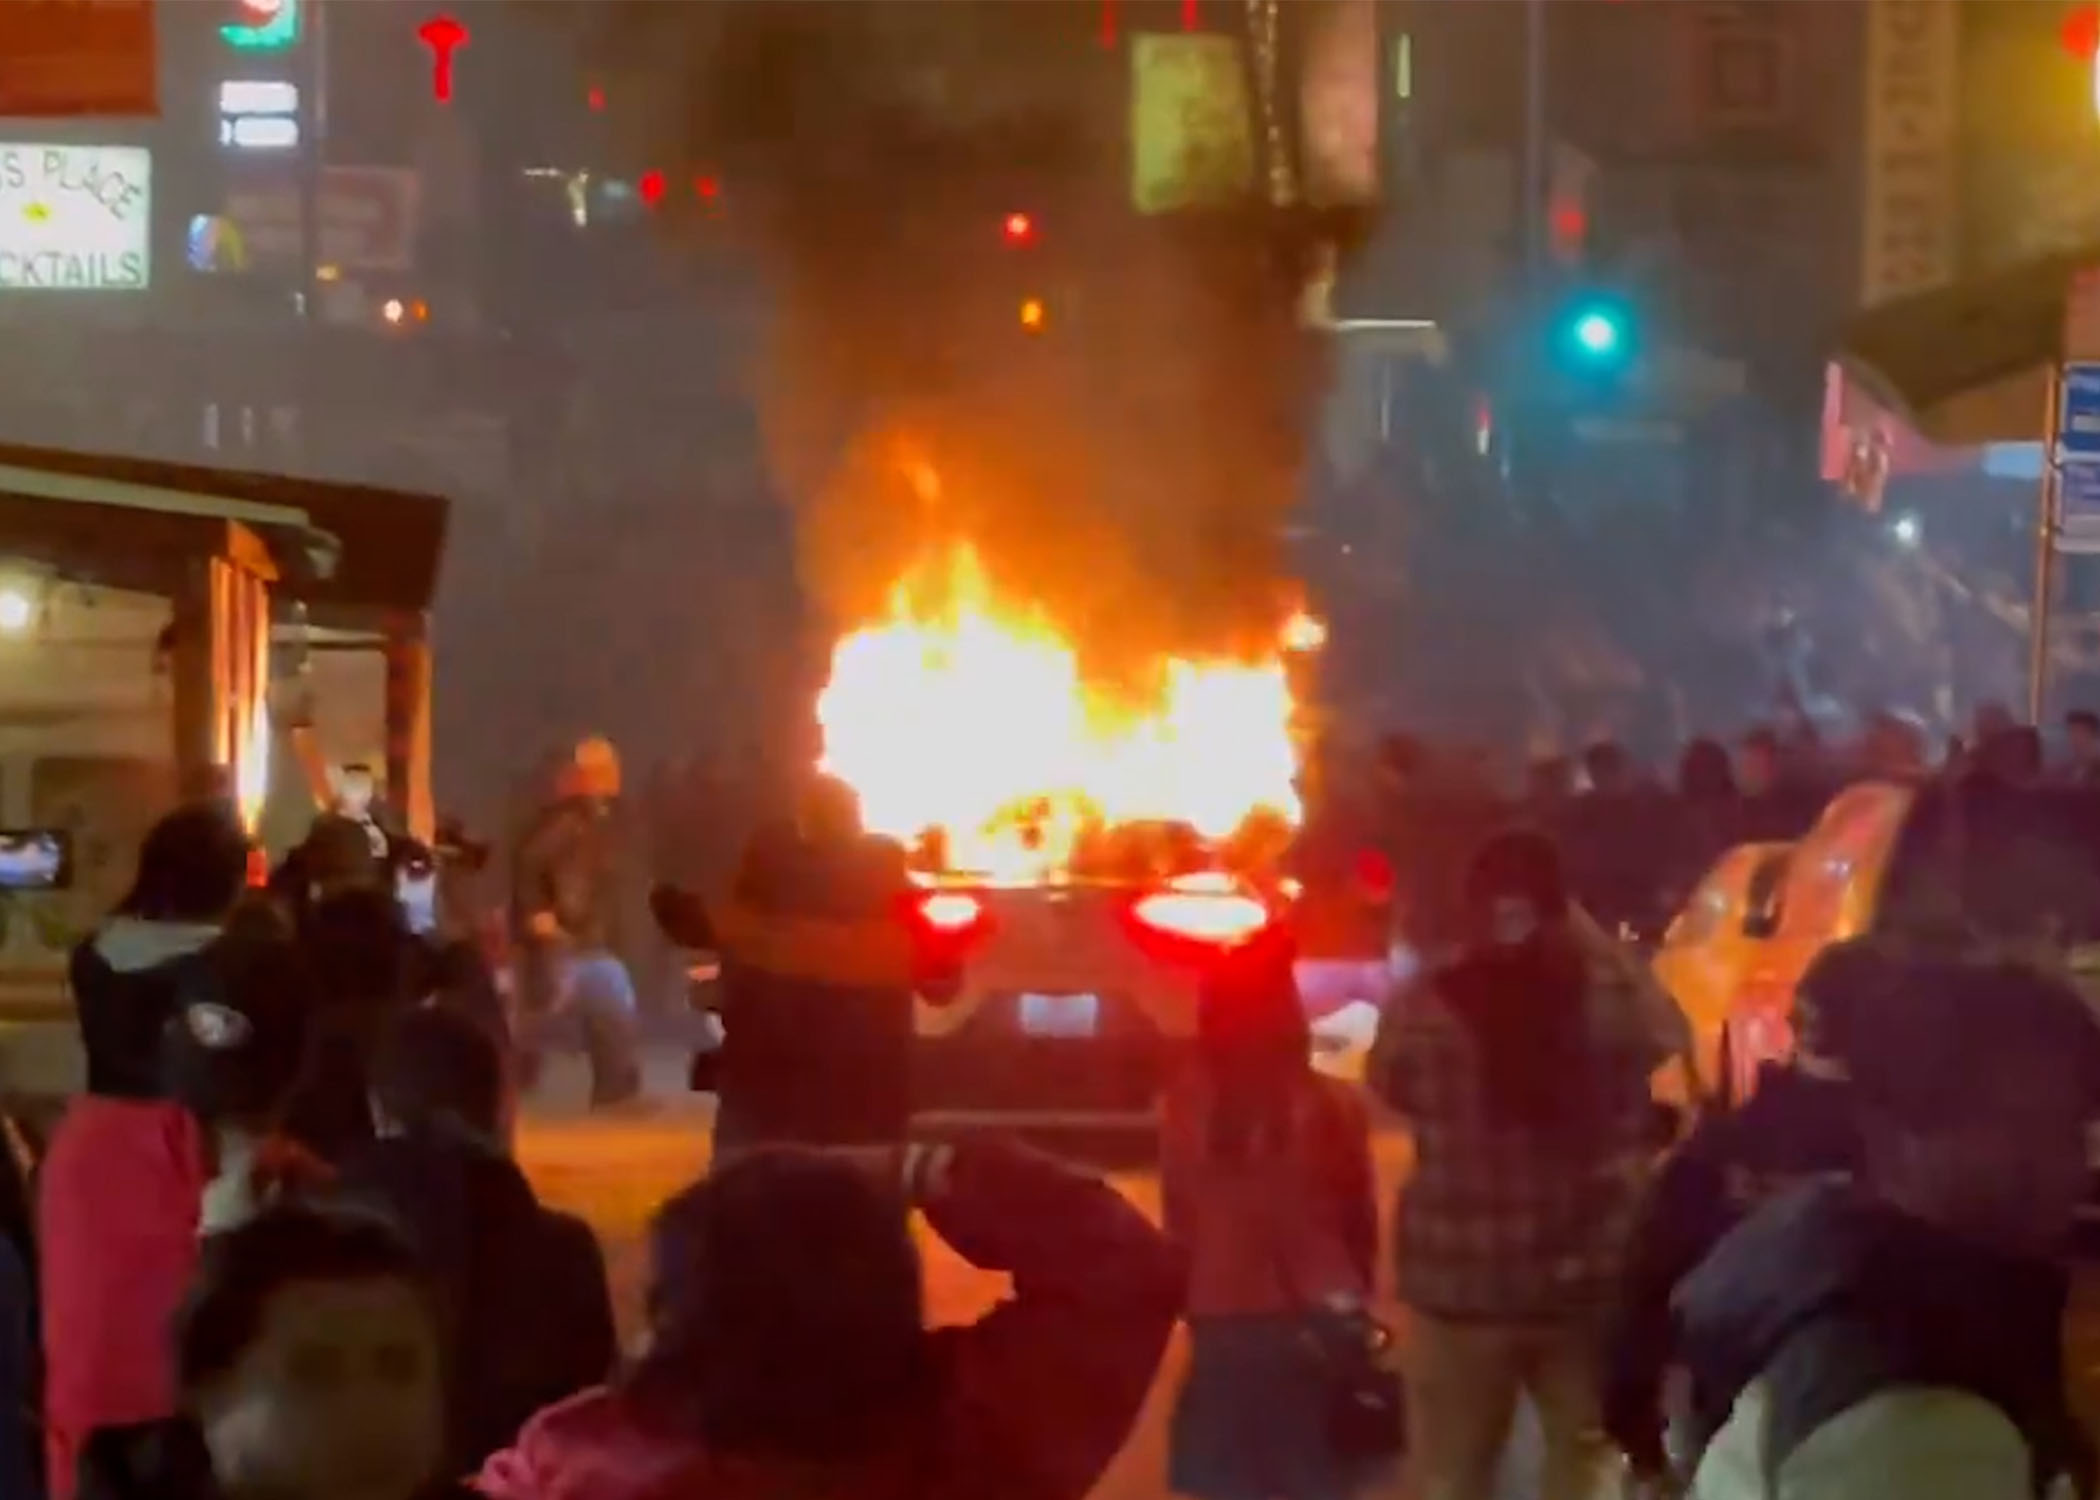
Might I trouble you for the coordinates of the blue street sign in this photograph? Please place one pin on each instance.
(2078, 506)
(2078, 416)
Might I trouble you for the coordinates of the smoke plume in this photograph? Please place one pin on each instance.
(1129, 465)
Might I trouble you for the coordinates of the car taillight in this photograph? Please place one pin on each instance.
(950, 913)
(1374, 875)
(1202, 910)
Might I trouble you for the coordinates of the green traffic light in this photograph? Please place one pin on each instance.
(1597, 333)
(275, 28)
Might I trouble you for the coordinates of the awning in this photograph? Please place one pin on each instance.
(1968, 364)
(333, 545)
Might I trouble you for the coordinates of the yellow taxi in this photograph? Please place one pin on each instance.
(1709, 950)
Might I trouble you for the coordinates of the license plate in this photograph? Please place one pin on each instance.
(1060, 1015)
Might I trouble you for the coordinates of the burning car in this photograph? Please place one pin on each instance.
(1085, 854)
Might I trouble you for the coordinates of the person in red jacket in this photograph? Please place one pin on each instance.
(1267, 1175)
(789, 1355)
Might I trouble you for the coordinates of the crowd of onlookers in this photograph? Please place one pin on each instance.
(278, 1249)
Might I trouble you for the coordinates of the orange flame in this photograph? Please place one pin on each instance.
(966, 713)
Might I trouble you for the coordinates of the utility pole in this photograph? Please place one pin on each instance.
(313, 160)
(1533, 218)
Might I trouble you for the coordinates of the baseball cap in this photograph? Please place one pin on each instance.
(235, 1044)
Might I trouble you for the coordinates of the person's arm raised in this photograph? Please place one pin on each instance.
(1044, 1388)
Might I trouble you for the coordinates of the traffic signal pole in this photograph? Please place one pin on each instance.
(313, 157)
(1533, 220)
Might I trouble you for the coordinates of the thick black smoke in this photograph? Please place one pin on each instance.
(1129, 466)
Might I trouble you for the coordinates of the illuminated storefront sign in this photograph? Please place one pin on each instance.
(75, 218)
(259, 114)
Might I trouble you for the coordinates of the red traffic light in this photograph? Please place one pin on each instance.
(651, 186)
(444, 36)
(2080, 32)
(1019, 229)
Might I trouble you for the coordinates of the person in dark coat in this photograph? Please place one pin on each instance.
(819, 972)
(523, 1289)
(309, 1364)
(567, 892)
(365, 966)
(1798, 1123)
(118, 1191)
(789, 1355)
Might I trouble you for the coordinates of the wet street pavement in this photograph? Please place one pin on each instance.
(615, 1170)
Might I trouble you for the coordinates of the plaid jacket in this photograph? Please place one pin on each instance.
(1500, 1222)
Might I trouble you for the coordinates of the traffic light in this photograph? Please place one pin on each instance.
(1596, 334)
(263, 25)
(1019, 229)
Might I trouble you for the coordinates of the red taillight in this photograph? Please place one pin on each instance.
(950, 913)
(1205, 911)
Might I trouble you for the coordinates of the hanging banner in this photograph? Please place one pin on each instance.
(1191, 123)
(77, 57)
(1910, 227)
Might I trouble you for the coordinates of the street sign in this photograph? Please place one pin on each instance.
(368, 219)
(2078, 506)
(66, 58)
(2078, 415)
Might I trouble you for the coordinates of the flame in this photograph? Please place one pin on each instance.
(966, 713)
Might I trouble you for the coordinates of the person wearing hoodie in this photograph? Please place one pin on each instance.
(309, 1367)
(118, 1191)
(1798, 1123)
(232, 1057)
(788, 1353)
(1524, 1069)
(1900, 1338)
(528, 1315)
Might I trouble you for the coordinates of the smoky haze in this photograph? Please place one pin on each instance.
(1128, 467)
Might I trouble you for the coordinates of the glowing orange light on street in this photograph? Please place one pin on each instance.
(2080, 32)
(1034, 316)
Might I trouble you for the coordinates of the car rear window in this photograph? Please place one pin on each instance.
(2015, 865)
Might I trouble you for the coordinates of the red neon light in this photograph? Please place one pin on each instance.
(1191, 19)
(651, 186)
(2080, 33)
(444, 36)
(1108, 24)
